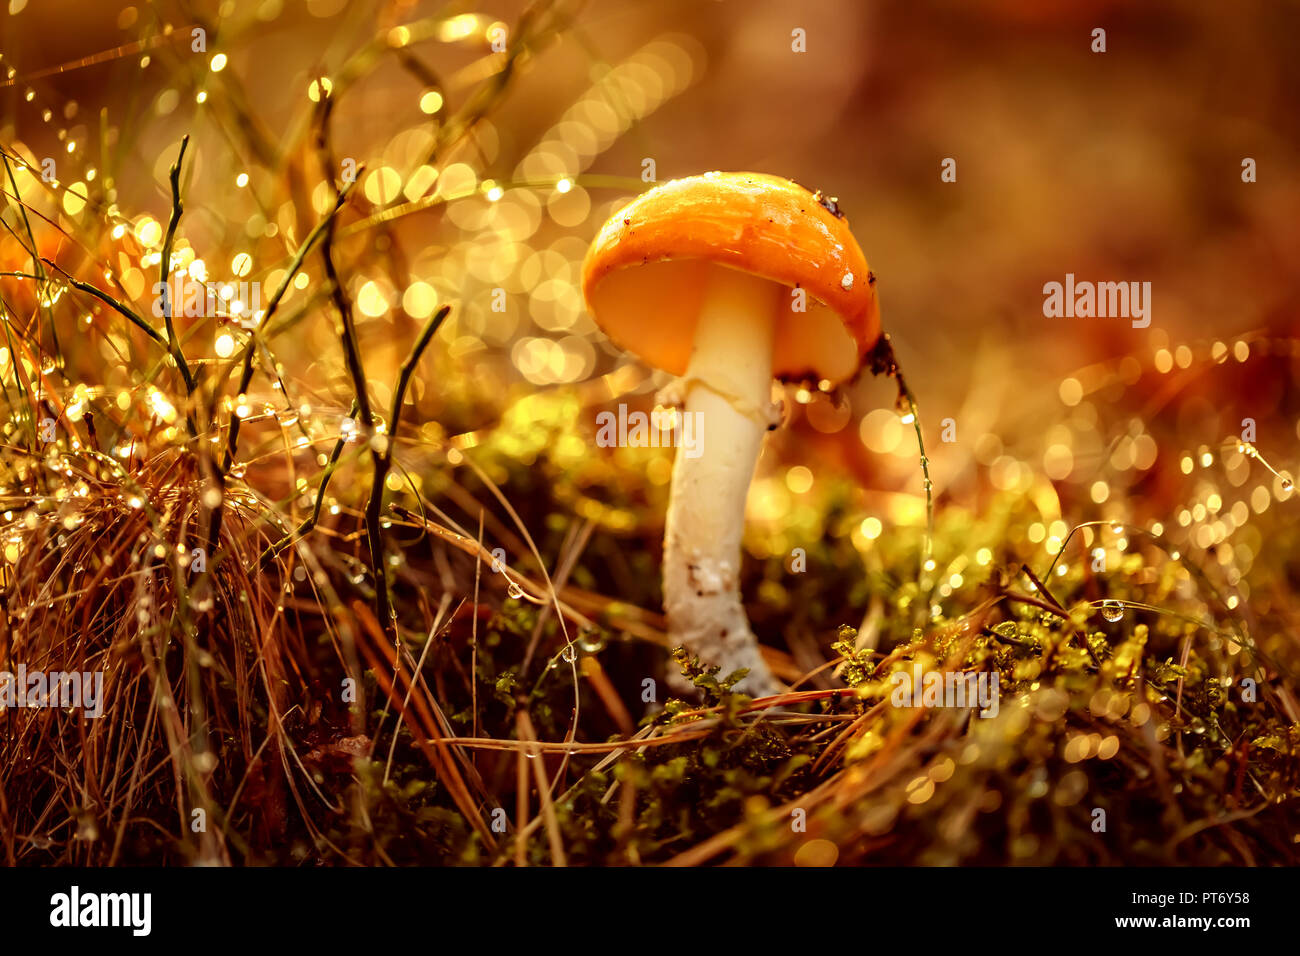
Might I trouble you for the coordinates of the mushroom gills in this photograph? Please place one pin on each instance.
(727, 394)
(651, 309)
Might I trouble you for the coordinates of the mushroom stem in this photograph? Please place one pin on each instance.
(727, 397)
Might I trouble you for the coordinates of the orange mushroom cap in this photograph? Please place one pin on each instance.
(647, 271)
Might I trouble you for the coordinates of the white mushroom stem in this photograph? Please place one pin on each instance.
(727, 396)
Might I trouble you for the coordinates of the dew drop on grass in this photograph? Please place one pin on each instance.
(570, 653)
(883, 361)
(515, 591)
(1112, 611)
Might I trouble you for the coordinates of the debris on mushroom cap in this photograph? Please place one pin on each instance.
(830, 203)
(644, 274)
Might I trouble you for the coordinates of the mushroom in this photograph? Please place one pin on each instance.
(728, 280)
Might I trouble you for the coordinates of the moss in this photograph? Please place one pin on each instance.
(1095, 715)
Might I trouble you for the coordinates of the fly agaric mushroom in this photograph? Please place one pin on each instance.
(728, 280)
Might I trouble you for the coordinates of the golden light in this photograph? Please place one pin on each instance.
(458, 27)
(431, 102)
(799, 479)
(319, 89)
(371, 300)
(148, 232)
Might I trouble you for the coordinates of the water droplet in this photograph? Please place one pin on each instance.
(515, 591)
(1287, 484)
(569, 653)
(1112, 611)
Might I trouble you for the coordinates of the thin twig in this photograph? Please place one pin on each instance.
(113, 303)
(165, 268)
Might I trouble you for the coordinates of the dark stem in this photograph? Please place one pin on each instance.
(164, 270)
(352, 358)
